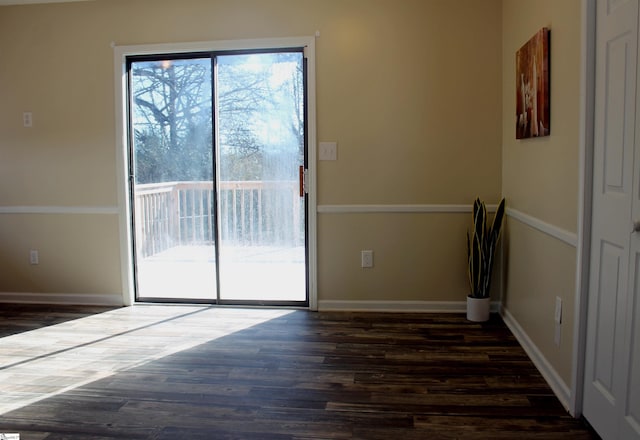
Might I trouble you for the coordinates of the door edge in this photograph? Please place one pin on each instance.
(585, 194)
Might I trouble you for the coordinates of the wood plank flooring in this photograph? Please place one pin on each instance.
(191, 372)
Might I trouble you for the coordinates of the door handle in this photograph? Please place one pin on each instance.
(636, 226)
(302, 176)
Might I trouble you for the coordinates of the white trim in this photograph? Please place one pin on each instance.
(312, 196)
(122, 52)
(371, 209)
(585, 183)
(126, 234)
(559, 387)
(120, 55)
(398, 306)
(88, 210)
(569, 238)
(32, 2)
(62, 299)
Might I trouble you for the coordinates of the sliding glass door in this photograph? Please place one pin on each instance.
(261, 139)
(172, 174)
(217, 159)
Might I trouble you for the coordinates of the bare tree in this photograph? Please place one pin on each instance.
(173, 117)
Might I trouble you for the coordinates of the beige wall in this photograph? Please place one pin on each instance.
(419, 95)
(411, 91)
(540, 179)
(408, 263)
(75, 254)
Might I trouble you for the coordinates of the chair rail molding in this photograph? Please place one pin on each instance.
(65, 210)
(570, 238)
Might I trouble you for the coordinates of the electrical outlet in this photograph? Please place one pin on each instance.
(34, 258)
(557, 318)
(27, 119)
(366, 259)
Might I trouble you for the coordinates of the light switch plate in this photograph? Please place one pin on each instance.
(366, 259)
(328, 151)
(558, 312)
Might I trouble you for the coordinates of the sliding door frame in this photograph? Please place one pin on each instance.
(122, 143)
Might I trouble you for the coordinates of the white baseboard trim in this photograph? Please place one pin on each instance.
(62, 299)
(397, 306)
(559, 387)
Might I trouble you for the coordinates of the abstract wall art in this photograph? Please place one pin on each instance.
(532, 87)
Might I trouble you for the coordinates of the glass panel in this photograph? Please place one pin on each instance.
(174, 206)
(261, 147)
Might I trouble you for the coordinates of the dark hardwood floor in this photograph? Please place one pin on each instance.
(181, 372)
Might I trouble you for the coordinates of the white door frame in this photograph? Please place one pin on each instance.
(121, 120)
(585, 188)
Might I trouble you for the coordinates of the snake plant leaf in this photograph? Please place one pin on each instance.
(496, 226)
(481, 247)
(476, 252)
(492, 244)
(469, 265)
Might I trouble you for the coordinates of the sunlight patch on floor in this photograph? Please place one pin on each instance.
(41, 363)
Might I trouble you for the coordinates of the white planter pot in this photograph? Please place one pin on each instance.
(478, 309)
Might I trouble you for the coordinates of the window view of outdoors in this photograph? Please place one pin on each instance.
(241, 123)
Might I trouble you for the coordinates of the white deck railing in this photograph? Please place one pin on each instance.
(252, 213)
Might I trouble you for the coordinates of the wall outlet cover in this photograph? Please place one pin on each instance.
(367, 259)
(328, 151)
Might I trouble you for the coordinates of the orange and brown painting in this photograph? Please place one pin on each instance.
(532, 87)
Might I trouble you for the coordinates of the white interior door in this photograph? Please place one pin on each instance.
(612, 370)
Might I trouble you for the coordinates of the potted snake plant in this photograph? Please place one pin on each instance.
(481, 248)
